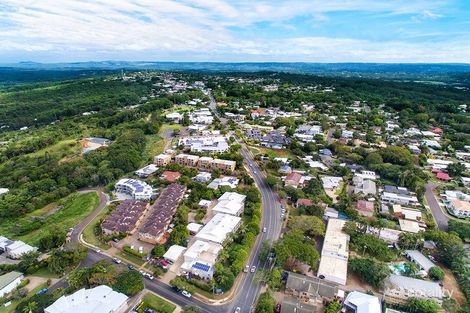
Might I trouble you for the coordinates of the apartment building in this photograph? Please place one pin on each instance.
(187, 159)
(162, 159)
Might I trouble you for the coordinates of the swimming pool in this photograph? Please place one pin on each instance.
(397, 268)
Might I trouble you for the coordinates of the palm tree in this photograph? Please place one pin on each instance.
(30, 307)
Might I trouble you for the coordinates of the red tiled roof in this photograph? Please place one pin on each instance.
(363, 205)
(171, 176)
(443, 176)
(304, 202)
(294, 177)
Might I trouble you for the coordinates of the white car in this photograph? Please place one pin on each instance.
(264, 229)
(237, 310)
(186, 294)
(247, 269)
(253, 269)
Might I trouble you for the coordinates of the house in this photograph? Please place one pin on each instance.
(15, 249)
(161, 214)
(99, 299)
(409, 226)
(125, 218)
(202, 177)
(218, 229)
(442, 176)
(285, 169)
(171, 176)
(174, 253)
(402, 287)
(303, 202)
(146, 171)
(9, 282)
(404, 199)
(326, 152)
(367, 175)
(135, 188)
(293, 179)
(295, 305)
(347, 134)
(331, 182)
(365, 208)
(230, 203)
(194, 228)
(423, 263)
(359, 302)
(310, 289)
(460, 208)
(162, 159)
(335, 253)
(406, 213)
(229, 181)
(200, 259)
(364, 186)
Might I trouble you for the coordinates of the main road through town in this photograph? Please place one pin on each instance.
(247, 288)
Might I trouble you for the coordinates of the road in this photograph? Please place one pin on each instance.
(247, 290)
(441, 218)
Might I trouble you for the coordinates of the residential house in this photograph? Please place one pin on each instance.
(200, 259)
(423, 263)
(402, 287)
(230, 203)
(171, 176)
(365, 208)
(9, 282)
(219, 228)
(358, 302)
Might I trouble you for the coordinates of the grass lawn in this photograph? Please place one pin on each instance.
(89, 234)
(62, 148)
(156, 303)
(67, 213)
(11, 308)
(131, 258)
(45, 273)
(272, 153)
(155, 146)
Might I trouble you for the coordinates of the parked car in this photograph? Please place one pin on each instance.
(247, 268)
(131, 267)
(253, 269)
(237, 310)
(117, 261)
(186, 294)
(264, 229)
(42, 291)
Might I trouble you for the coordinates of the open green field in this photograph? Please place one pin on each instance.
(64, 214)
(156, 143)
(131, 258)
(89, 234)
(156, 303)
(62, 148)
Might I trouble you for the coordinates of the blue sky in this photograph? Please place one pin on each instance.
(239, 30)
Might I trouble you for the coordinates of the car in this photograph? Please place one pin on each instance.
(131, 267)
(142, 272)
(117, 261)
(253, 269)
(186, 294)
(238, 309)
(264, 229)
(98, 251)
(283, 210)
(150, 277)
(42, 291)
(116, 239)
(247, 268)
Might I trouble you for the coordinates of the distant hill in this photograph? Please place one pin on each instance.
(448, 73)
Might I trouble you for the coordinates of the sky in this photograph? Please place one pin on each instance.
(388, 31)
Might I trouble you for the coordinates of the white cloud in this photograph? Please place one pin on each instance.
(202, 29)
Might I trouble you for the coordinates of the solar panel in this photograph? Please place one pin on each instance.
(202, 267)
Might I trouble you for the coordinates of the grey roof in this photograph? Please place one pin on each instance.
(6, 279)
(419, 259)
(428, 288)
(396, 190)
(313, 285)
(293, 305)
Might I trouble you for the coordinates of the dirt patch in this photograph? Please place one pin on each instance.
(451, 287)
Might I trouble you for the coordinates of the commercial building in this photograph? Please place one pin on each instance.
(95, 300)
(402, 287)
(205, 163)
(9, 281)
(135, 188)
(162, 159)
(219, 228)
(359, 302)
(200, 258)
(205, 144)
(335, 253)
(161, 214)
(125, 218)
(230, 203)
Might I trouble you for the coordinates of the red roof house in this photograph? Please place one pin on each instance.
(436, 130)
(170, 176)
(304, 202)
(365, 208)
(443, 176)
(293, 179)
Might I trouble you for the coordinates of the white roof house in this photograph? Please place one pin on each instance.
(146, 171)
(200, 258)
(9, 281)
(194, 228)
(219, 228)
(229, 181)
(399, 198)
(15, 249)
(419, 259)
(362, 303)
(209, 144)
(335, 253)
(230, 203)
(174, 253)
(101, 299)
(409, 226)
(331, 182)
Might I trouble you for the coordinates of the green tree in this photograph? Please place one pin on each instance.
(129, 283)
(294, 245)
(30, 307)
(333, 307)
(436, 273)
(456, 169)
(416, 305)
(310, 225)
(410, 269)
(410, 241)
(370, 270)
(266, 303)
(271, 181)
(158, 251)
